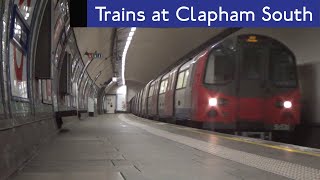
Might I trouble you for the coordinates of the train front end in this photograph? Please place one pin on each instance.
(248, 83)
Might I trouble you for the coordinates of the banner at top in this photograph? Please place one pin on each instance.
(195, 13)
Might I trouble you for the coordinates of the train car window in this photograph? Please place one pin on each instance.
(163, 86)
(166, 85)
(156, 88)
(173, 80)
(151, 91)
(169, 83)
(282, 68)
(252, 63)
(180, 80)
(186, 76)
(220, 67)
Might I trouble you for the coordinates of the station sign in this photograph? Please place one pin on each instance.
(195, 13)
(93, 55)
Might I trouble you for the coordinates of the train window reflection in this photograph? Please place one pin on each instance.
(163, 86)
(252, 63)
(282, 70)
(180, 80)
(151, 90)
(20, 33)
(185, 79)
(220, 67)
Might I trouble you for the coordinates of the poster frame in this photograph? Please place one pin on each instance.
(22, 47)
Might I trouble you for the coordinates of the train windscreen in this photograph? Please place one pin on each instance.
(252, 62)
(282, 68)
(220, 67)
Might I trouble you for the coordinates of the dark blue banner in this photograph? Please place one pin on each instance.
(203, 13)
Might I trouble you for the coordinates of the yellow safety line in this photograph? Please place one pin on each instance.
(262, 144)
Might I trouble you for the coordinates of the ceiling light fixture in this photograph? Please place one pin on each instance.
(124, 54)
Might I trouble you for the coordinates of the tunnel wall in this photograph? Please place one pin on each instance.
(25, 120)
(133, 88)
(65, 56)
(72, 82)
(32, 104)
(310, 85)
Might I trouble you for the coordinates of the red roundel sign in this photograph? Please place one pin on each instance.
(22, 1)
(18, 68)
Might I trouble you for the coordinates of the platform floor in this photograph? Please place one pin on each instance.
(125, 147)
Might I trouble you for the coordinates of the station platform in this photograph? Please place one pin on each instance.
(126, 147)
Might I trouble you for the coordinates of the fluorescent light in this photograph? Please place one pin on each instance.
(133, 29)
(124, 54)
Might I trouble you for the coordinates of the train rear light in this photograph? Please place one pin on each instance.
(287, 104)
(213, 102)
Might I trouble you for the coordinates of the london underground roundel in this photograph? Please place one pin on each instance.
(19, 36)
(18, 65)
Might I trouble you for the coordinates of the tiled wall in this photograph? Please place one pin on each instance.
(81, 85)
(26, 122)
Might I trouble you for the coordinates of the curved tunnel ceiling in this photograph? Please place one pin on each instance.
(96, 40)
(154, 50)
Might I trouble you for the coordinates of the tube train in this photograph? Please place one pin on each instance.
(247, 83)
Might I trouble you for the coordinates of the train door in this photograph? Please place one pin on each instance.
(253, 59)
(150, 100)
(135, 105)
(111, 104)
(183, 93)
(167, 98)
(154, 99)
(162, 94)
(140, 103)
(145, 100)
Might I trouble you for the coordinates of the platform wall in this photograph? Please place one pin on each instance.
(24, 123)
